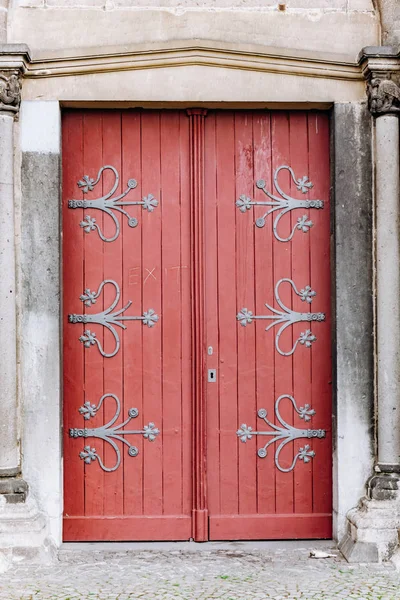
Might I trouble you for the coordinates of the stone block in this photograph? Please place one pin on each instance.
(358, 552)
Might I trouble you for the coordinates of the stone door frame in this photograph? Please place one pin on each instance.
(38, 255)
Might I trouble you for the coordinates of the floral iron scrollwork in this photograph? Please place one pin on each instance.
(108, 204)
(284, 433)
(110, 432)
(107, 318)
(282, 203)
(287, 317)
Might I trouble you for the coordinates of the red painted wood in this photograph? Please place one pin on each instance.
(133, 336)
(249, 498)
(245, 296)
(318, 131)
(200, 512)
(93, 265)
(73, 283)
(149, 496)
(265, 348)
(151, 528)
(271, 527)
(228, 334)
(197, 260)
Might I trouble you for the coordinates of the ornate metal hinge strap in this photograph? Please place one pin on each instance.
(107, 318)
(286, 317)
(284, 204)
(110, 433)
(108, 204)
(284, 434)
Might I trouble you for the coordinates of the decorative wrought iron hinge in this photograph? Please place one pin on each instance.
(284, 204)
(107, 318)
(107, 204)
(110, 433)
(287, 317)
(285, 434)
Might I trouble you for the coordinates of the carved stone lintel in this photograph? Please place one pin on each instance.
(383, 95)
(10, 91)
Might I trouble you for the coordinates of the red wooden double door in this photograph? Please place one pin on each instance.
(196, 339)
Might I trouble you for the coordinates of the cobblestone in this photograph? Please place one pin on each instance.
(233, 574)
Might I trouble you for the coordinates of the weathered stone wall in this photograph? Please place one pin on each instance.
(390, 21)
(3, 21)
(39, 319)
(339, 26)
(353, 312)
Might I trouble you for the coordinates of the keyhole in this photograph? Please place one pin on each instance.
(212, 375)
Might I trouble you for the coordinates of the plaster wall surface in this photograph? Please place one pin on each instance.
(337, 26)
(193, 84)
(39, 294)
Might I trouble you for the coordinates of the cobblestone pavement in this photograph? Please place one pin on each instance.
(234, 573)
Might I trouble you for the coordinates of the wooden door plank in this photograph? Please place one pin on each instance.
(300, 249)
(196, 149)
(264, 284)
(283, 269)
(211, 314)
(151, 528)
(171, 324)
(113, 367)
(321, 388)
(94, 275)
(186, 340)
(73, 369)
(152, 337)
(245, 297)
(132, 337)
(284, 526)
(227, 310)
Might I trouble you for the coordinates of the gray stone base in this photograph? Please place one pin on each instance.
(23, 533)
(372, 531)
(14, 489)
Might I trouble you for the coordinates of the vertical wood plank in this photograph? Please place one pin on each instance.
(152, 298)
(171, 323)
(227, 310)
(200, 510)
(283, 269)
(113, 367)
(186, 339)
(94, 275)
(132, 337)
(211, 313)
(73, 351)
(245, 297)
(264, 285)
(300, 247)
(321, 389)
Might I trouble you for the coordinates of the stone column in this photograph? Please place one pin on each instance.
(373, 526)
(387, 233)
(11, 485)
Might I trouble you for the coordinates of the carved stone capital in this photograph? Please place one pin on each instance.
(381, 68)
(14, 60)
(383, 95)
(10, 91)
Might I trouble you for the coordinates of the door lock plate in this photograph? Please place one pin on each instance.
(212, 375)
